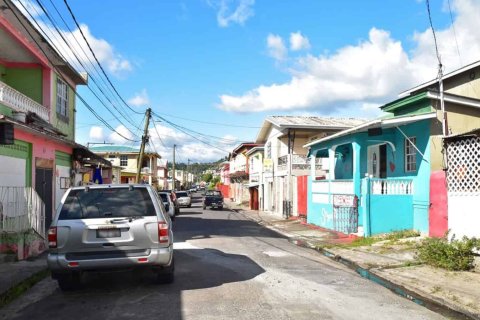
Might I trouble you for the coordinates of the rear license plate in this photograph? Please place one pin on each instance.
(108, 233)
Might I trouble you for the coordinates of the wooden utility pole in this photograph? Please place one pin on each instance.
(142, 146)
(173, 169)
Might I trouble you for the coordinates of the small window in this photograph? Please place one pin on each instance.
(111, 156)
(123, 161)
(62, 99)
(410, 154)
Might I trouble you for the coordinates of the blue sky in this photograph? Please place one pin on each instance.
(234, 62)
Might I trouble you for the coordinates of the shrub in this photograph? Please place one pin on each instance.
(455, 255)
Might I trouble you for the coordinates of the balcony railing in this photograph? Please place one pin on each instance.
(20, 102)
(299, 162)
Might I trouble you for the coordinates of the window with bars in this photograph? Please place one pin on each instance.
(123, 161)
(410, 154)
(62, 99)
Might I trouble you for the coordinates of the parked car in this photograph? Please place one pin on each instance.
(184, 199)
(168, 204)
(173, 196)
(105, 227)
(213, 199)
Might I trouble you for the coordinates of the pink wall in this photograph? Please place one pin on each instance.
(42, 147)
(438, 215)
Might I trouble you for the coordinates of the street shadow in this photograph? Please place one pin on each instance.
(188, 228)
(133, 294)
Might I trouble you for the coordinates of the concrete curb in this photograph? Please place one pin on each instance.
(429, 302)
(21, 287)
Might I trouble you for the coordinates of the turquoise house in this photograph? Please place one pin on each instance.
(379, 176)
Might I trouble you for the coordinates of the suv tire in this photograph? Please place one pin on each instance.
(69, 282)
(166, 275)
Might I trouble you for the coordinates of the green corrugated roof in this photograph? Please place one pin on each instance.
(389, 107)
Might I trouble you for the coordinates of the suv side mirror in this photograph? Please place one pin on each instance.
(167, 207)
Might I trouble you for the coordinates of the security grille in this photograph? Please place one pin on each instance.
(463, 158)
(345, 213)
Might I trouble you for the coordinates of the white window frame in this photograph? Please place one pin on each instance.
(410, 154)
(62, 98)
(124, 160)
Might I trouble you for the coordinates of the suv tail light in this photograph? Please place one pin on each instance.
(162, 232)
(52, 237)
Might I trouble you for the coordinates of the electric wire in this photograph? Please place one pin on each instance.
(433, 31)
(75, 54)
(206, 122)
(95, 67)
(93, 53)
(61, 76)
(193, 136)
(454, 32)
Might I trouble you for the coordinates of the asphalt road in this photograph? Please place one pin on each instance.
(227, 267)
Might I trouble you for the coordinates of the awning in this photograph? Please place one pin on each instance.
(85, 156)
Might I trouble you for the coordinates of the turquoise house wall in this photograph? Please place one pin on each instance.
(410, 212)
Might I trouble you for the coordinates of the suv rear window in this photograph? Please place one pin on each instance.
(213, 193)
(164, 197)
(181, 194)
(103, 202)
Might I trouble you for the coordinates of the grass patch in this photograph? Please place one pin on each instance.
(454, 255)
(397, 235)
(363, 242)
(23, 286)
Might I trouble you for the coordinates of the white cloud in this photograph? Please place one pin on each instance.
(187, 146)
(96, 133)
(111, 60)
(276, 47)
(373, 71)
(298, 41)
(232, 11)
(140, 99)
(119, 138)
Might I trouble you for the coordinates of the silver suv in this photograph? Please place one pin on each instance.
(103, 227)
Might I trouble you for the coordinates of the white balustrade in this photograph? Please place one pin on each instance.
(392, 186)
(342, 187)
(20, 102)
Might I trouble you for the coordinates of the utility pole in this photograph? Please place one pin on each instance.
(173, 168)
(188, 167)
(142, 146)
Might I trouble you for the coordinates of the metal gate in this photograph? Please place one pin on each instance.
(345, 213)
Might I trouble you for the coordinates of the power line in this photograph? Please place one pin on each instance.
(206, 122)
(433, 31)
(454, 32)
(74, 53)
(93, 53)
(61, 76)
(189, 134)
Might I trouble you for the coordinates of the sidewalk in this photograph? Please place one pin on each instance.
(389, 263)
(17, 277)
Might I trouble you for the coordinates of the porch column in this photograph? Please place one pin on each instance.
(331, 163)
(357, 178)
(312, 166)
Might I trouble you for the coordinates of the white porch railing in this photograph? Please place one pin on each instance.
(392, 186)
(333, 186)
(21, 209)
(20, 102)
(299, 162)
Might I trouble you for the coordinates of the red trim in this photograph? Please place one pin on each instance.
(20, 65)
(9, 28)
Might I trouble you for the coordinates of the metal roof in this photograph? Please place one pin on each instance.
(306, 122)
(377, 123)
